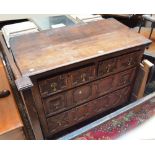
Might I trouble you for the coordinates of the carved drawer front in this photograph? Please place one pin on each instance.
(82, 94)
(119, 97)
(53, 85)
(69, 118)
(120, 63)
(105, 85)
(125, 78)
(82, 75)
(129, 60)
(107, 66)
(55, 104)
(114, 82)
(112, 100)
(59, 122)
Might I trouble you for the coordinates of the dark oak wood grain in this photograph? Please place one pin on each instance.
(83, 112)
(46, 50)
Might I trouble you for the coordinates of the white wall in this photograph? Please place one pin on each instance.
(20, 16)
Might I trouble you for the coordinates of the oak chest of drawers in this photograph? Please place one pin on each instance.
(68, 75)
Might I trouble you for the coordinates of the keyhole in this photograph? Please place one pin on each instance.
(129, 61)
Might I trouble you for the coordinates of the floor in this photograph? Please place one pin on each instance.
(143, 132)
(146, 32)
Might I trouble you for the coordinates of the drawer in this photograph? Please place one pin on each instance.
(107, 66)
(129, 60)
(69, 118)
(59, 83)
(120, 63)
(114, 82)
(113, 100)
(53, 85)
(125, 78)
(55, 104)
(105, 85)
(63, 101)
(82, 75)
(82, 94)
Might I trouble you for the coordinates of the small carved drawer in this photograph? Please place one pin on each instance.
(69, 118)
(129, 60)
(52, 85)
(120, 63)
(105, 85)
(82, 75)
(125, 78)
(107, 66)
(63, 101)
(59, 122)
(113, 82)
(112, 100)
(119, 97)
(82, 94)
(55, 104)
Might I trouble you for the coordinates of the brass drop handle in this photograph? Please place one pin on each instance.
(4, 93)
(83, 77)
(108, 68)
(53, 86)
(129, 61)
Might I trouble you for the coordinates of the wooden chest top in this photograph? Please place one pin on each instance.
(46, 50)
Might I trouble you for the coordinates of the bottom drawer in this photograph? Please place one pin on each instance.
(88, 110)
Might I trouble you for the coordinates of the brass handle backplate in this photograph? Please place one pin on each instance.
(83, 77)
(53, 86)
(130, 61)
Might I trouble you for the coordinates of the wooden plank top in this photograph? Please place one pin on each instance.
(46, 50)
(9, 115)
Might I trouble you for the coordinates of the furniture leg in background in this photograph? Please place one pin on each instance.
(148, 18)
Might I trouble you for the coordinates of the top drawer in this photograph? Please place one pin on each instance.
(53, 85)
(120, 63)
(82, 75)
(129, 60)
(59, 83)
